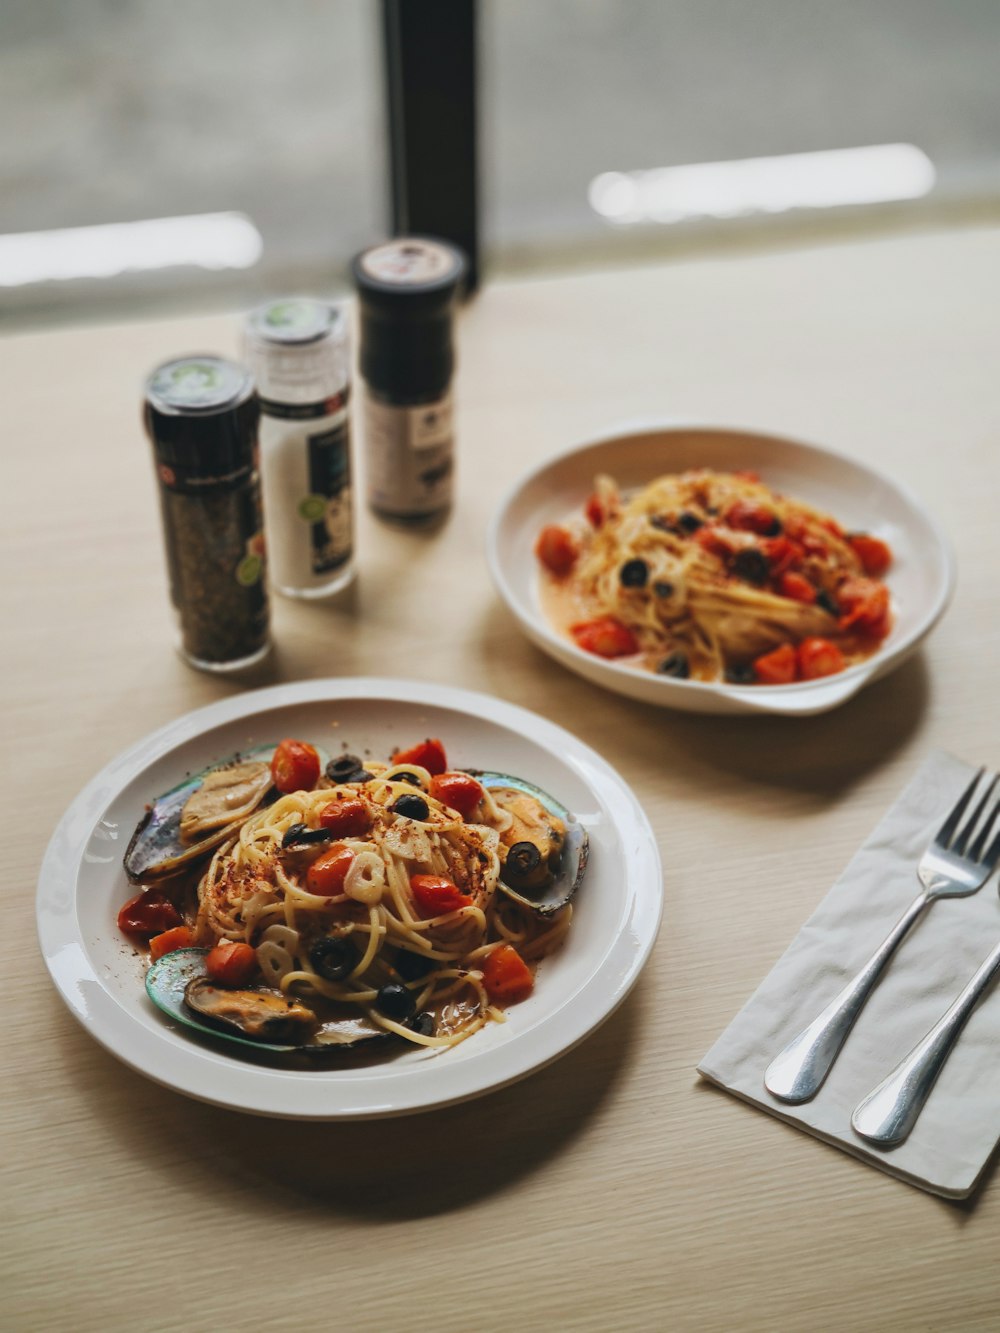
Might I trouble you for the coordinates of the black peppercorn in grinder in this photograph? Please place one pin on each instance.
(201, 415)
(406, 293)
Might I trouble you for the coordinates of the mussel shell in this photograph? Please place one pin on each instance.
(156, 850)
(572, 859)
(167, 982)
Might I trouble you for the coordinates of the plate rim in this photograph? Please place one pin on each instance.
(742, 698)
(263, 1090)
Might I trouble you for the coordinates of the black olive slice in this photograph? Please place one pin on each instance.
(395, 1001)
(740, 673)
(411, 778)
(689, 522)
(633, 574)
(333, 957)
(423, 1023)
(824, 600)
(413, 966)
(523, 860)
(340, 770)
(411, 806)
(675, 665)
(300, 835)
(751, 565)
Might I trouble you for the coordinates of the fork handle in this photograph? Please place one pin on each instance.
(886, 1116)
(797, 1074)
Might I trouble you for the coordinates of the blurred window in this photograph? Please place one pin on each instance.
(257, 131)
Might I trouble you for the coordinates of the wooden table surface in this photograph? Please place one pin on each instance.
(612, 1190)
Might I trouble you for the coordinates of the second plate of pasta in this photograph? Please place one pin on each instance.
(720, 571)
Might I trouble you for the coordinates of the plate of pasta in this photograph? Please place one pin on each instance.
(349, 899)
(720, 571)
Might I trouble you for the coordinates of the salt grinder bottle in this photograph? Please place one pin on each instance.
(201, 416)
(406, 294)
(299, 353)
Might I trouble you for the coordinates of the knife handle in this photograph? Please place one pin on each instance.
(889, 1112)
(797, 1074)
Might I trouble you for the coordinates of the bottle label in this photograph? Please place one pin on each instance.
(409, 452)
(308, 514)
(329, 464)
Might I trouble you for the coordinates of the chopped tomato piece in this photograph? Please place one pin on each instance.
(346, 818)
(752, 516)
(178, 937)
(231, 963)
(427, 754)
(819, 657)
(557, 549)
(295, 766)
(874, 554)
(865, 607)
(809, 542)
(434, 895)
(797, 587)
(712, 540)
(605, 636)
(506, 976)
(148, 913)
(458, 791)
(782, 552)
(595, 511)
(325, 877)
(776, 667)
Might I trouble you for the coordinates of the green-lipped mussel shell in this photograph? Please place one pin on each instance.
(167, 983)
(572, 862)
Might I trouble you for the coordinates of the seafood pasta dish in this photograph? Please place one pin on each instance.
(296, 905)
(714, 576)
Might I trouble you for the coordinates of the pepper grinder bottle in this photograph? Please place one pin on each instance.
(298, 351)
(201, 416)
(406, 291)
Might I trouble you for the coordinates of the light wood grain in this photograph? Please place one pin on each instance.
(612, 1190)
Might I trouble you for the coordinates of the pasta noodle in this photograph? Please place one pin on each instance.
(393, 917)
(706, 574)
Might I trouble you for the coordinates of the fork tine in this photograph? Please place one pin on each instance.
(977, 848)
(951, 823)
(963, 837)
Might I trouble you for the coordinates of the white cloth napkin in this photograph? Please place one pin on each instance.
(960, 1123)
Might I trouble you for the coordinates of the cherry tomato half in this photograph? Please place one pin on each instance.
(506, 976)
(557, 549)
(148, 913)
(346, 818)
(295, 766)
(325, 877)
(231, 963)
(796, 586)
(865, 607)
(435, 895)
(605, 636)
(752, 516)
(427, 754)
(777, 667)
(874, 554)
(818, 657)
(458, 791)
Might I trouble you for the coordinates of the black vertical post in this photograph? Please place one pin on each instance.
(430, 66)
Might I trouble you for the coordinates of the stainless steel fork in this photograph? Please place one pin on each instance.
(949, 868)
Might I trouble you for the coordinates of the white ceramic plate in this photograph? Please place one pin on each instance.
(100, 976)
(921, 579)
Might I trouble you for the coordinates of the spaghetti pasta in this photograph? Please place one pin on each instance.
(714, 576)
(375, 899)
